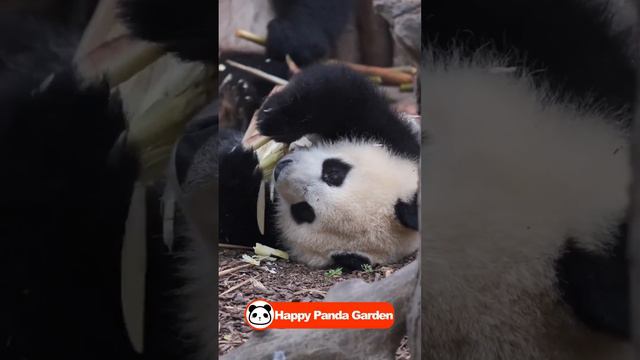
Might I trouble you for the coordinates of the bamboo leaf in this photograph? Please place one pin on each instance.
(269, 251)
(261, 206)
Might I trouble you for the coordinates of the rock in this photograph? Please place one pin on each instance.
(238, 298)
(404, 17)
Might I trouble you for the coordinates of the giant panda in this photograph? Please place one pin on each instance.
(350, 199)
(527, 107)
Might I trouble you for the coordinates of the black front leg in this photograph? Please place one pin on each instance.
(335, 102)
(596, 286)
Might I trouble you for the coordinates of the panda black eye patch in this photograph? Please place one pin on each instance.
(334, 171)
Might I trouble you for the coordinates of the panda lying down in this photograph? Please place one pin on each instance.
(347, 201)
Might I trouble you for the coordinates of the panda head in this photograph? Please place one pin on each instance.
(347, 203)
(260, 314)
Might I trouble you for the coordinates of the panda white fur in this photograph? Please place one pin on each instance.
(526, 174)
(509, 181)
(348, 201)
(351, 188)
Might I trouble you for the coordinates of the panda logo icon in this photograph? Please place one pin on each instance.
(259, 314)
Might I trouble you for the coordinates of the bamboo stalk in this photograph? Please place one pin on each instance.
(102, 19)
(147, 128)
(118, 59)
(412, 70)
(376, 79)
(249, 36)
(293, 67)
(257, 72)
(406, 87)
(388, 75)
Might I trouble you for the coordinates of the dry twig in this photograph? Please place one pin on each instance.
(229, 271)
(232, 246)
(237, 286)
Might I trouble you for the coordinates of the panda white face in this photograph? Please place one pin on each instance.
(340, 198)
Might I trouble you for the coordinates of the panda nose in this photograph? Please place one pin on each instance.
(281, 165)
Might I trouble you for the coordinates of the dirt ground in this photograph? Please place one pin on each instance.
(278, 280)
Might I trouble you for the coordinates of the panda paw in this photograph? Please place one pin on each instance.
(282, 117)
(350, 261)
(329, 100)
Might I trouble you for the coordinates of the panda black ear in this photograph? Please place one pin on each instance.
(251, 308)
(267, 307)
(407, 212)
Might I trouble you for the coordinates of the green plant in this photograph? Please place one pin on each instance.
(367, 268)
(331, 273)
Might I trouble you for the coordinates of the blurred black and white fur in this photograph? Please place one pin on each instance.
(527, 106)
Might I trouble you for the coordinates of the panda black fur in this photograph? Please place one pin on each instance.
(349, 200)
(305, 29)
(65, 187)
(527, 105)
